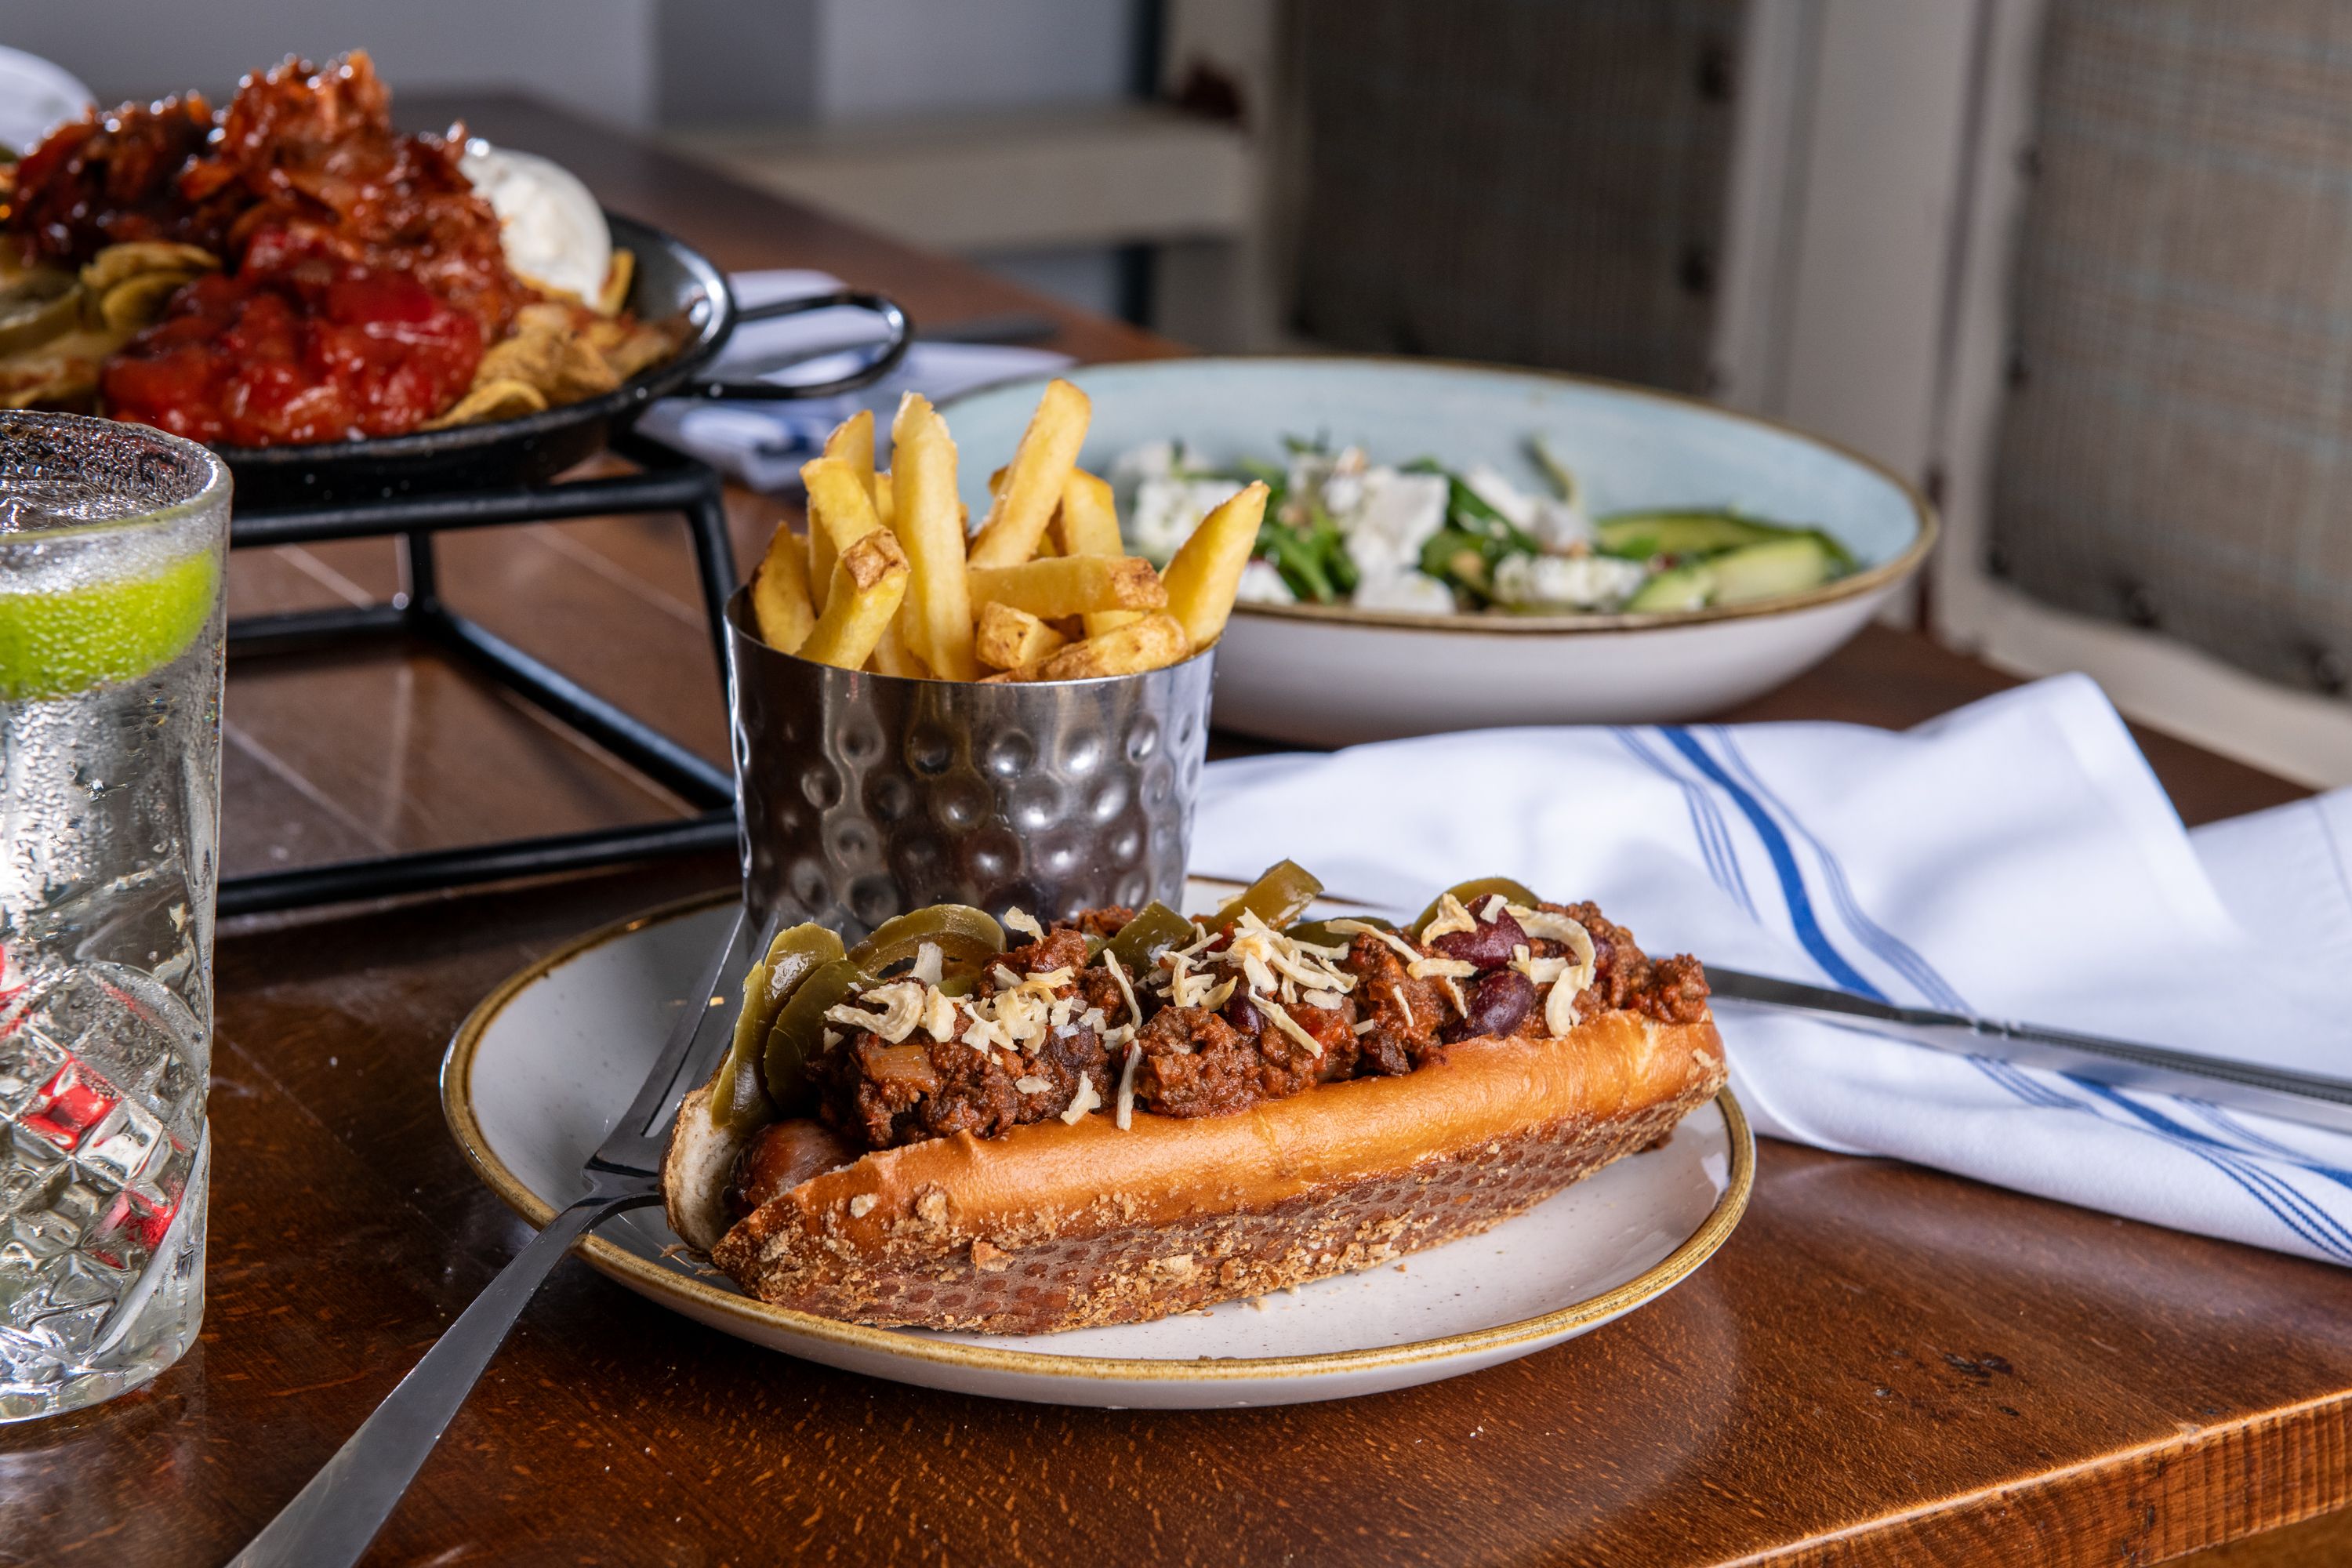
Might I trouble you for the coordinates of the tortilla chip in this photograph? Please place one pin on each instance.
(489, 400)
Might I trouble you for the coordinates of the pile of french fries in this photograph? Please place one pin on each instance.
(889, 579)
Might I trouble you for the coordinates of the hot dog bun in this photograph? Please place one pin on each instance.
(1051, 1226)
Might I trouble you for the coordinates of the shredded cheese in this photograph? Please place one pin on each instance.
(1492, 910)
(1125, 1114)
(1404, 1005)
(1022, 921)
(927, 964)
(1003, 978)
(1451, 917)
(1086, 1100)
(1454, 994)
(939, 1017)
(1029, 1083)
(1110, 961)
(1365, 1026)
(1440, 969)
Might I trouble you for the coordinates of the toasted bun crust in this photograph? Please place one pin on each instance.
(1051, 1226)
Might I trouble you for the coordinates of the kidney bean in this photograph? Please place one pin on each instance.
(1499, 1004)
(1242, 1014)
(1488, 946)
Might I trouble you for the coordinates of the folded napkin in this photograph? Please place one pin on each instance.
(2015, 859)
(763, 444)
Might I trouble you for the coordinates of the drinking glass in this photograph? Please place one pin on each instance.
(113, 540)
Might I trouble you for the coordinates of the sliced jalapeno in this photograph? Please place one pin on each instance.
(1279, 896)
(968, 939)
(1471, 894)
(1140, 942)
(738, 1101)
(1318, 933)
(799, 1030)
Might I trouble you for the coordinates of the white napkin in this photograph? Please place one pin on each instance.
(763, 444)
(2013, 859)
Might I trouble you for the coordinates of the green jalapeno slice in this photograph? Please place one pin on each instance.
(1140, 942)
(1318, 933)
(799, 1030)
(1279, 896)
(968, 939)
(1473, 894)
(738, 1099)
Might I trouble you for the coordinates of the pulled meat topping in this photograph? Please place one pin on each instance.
(1230, 1018)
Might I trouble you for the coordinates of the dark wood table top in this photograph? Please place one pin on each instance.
(1883, 1365)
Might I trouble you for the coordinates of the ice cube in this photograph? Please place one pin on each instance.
(122, 1147)
(69, 1104)
(128, 1233)
(27, 1057)
(130, 1030)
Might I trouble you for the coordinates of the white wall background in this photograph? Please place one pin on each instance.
(638, 62)
(595, 55)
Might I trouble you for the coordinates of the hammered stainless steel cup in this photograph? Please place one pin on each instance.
(866, 795)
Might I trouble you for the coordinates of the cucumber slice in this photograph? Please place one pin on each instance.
(1643, 534)
(1690, 588)
(1770, 570)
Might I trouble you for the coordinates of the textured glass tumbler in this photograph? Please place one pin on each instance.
(866, 795)
(113, 540)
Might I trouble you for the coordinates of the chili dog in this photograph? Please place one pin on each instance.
(1127, 1115)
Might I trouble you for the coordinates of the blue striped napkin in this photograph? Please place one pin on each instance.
(2015, 859)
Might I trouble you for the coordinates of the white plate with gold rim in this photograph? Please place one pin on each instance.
(536, 1073)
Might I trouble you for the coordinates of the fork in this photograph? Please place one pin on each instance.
(332, 1521)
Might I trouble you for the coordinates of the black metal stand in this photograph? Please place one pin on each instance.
(665, 484)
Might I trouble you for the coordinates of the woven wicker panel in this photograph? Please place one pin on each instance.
(1542, 182)
(2177, 447)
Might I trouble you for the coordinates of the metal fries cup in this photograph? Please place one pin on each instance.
(865, 795)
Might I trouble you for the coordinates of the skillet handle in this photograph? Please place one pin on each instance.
(901, 329)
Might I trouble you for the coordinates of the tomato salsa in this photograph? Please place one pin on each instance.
(322, 351)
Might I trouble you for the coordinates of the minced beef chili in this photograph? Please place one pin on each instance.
(1190, 1061)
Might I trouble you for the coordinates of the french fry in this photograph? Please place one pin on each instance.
(1207, 569)
(929, 522)
(891, 655)
(882, 498)
(1007, 638)
(851, 444)
(838, 502)
(869, 583)
(1033, 485)
(1071, 585)
(1087, 524)
(780, 593)
(1154, 642)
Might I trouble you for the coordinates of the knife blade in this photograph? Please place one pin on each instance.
(2307, 1097)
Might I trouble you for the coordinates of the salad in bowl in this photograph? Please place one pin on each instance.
(1423, 538)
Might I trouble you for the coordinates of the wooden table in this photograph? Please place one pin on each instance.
(1885, 1365)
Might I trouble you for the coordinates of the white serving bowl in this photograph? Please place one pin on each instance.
(1328, 675)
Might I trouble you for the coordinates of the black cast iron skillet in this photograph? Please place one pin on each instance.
(672, 282)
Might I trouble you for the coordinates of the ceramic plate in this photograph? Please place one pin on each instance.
(1327, 675)
(536, 1073)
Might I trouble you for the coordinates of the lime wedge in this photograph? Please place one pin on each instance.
(56, 644)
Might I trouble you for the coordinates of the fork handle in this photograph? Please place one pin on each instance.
(331, 1522)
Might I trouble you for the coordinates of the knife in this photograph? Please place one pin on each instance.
(2307, 1097)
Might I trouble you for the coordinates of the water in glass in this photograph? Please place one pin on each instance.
(111, 634)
